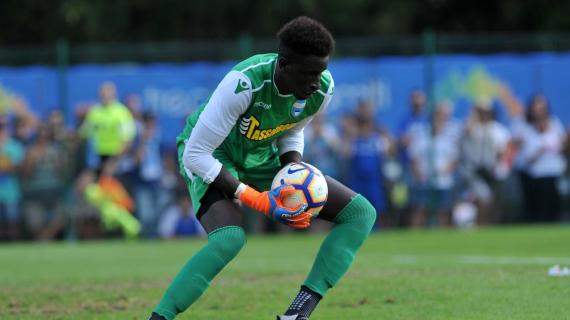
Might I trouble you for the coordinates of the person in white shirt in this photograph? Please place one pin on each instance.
(483, 148)
(434, 157)
(541, 139)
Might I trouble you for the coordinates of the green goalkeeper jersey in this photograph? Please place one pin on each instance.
(253, 118)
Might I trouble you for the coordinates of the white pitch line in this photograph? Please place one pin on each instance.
(513, 260)
(490, 260)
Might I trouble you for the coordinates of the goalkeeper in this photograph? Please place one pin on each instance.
(233, 146)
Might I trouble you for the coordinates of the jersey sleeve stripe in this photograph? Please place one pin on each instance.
(261, 86)
(257, 65)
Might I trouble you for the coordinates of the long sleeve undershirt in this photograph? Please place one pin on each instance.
(218, 118)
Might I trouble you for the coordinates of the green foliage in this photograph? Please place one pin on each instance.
(496, 273)
(32, 21)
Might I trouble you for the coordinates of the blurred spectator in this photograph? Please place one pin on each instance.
(367, 152)
(434, 158)
(395, 184)
(11, 156)
(417, 116)
(127, 169)
(348, 132)
(109, 125)
(78, 148)
(87, 222)
(179, 219)
(483, 149)
(56, 124)
(148, 162)
(43, 183)
(25, 122)
(322, 143)
(70, 147)
(22, 132)
(110, 130)
(170, 180)
(133, 102)
(541, 139)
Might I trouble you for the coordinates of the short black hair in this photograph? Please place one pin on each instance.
(305, 36)
(535, 97)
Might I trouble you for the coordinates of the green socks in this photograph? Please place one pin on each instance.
(194, 278)
(353, 225)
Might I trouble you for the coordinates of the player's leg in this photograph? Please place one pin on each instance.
(354, 218)
(223, 221)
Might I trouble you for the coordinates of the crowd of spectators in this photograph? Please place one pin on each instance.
(438, 170)
(47, 175)
(433, 169)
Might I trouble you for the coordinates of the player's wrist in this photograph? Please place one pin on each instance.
(239, 190)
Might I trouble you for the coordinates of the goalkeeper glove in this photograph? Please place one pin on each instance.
(270, 203)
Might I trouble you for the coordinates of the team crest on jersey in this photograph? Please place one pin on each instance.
(249, 127)
(298, 108)
(241, 86)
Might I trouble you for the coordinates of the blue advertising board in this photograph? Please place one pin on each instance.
(172, 91)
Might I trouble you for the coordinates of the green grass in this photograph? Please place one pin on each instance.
(496, 273)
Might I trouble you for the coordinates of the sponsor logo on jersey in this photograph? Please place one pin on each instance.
(241, 86)
(249, 127)
(298, 108)
(262, 104)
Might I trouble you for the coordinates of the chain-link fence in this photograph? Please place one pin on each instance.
(66, 53)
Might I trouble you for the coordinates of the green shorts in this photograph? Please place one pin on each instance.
(259, 177)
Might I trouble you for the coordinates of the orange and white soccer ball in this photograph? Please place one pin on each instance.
(310, 185)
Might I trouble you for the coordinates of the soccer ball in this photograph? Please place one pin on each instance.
(310, 185)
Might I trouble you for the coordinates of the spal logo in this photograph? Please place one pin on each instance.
(249, 127)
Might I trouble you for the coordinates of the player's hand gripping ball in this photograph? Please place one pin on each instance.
(309, 183)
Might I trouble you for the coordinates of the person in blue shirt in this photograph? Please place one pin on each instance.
(179, 220)
(416, 115)
(367, 153)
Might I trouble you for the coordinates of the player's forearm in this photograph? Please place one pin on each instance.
(291, 156)
(226, 182)
(512, 104)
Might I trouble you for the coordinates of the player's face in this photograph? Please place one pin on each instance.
(302, 76)
(108, 92)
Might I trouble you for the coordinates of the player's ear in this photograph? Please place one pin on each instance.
(282, 62)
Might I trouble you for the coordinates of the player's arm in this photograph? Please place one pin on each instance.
(226, 182)
(290, 156)
(269, 203)
(292, 143)
(128, 129)
(230, 100)
(213, 126)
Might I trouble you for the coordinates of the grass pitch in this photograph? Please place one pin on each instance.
(496, 273)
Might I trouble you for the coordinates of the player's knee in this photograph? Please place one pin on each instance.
(360, 213)
(367, 216)
(227, 241)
